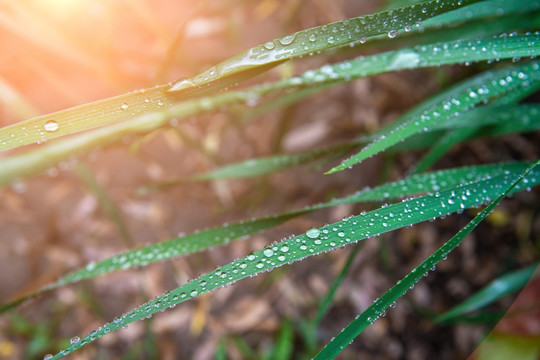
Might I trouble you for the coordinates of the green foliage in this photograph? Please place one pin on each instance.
(485, 104)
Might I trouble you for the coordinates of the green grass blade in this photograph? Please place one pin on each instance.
(449, 104)
(372, 313)
(284, 347)
(327, 300)
(437, 54)
(491, 115)
(442, 146)
(525, 119)
(84, 117)
(316, 241)
(108, 205)
(493, 120)
(320, 38)
(484, 9)
(417, 184)
(482, 28)
(504, 285)
(255, 167)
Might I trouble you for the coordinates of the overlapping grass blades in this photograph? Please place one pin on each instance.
(309, 41)
(489, 120)
(48, 155)
(379, 306)
(329, 237)
(247, 64)
(417, 184)
(450, 103)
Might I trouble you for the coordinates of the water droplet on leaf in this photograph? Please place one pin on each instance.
(50, 126)
(313, 233)
(287, 40)
(269, 45)
(392, 34)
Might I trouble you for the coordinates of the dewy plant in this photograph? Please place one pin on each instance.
(492, 100)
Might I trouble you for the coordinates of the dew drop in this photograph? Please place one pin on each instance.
(312, 37)
(313, 233)
(194, 293)
(392, 34)
(259, 265)
(124, 106)
(74, 340)
(269, 45)
(341, 234)
(48, 357)
(287, 40)
(268, 252)
(331, 40)
(284, 248)
(50, 126)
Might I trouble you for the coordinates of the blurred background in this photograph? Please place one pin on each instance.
(61, 53)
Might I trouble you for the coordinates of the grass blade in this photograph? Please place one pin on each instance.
(484, 9)
(327, 300)
(504, 285)
(88, 179)
(255, 167)
(442, 146)
(84, 117)
(449, 104)
(316, 241)
(372, 313)
(493, 119)
(320, 38)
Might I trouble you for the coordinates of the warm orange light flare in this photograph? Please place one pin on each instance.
(61, 8)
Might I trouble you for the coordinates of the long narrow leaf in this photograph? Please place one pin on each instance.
(484, 9)
(305, 42)
(450, 103)
(442, 146)
(504, 285)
